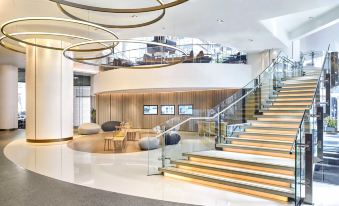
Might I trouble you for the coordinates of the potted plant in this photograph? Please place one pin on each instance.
(93, 115)
(331, 124)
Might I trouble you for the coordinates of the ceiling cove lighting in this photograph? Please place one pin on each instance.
(151, 62)
(15, 36)
(162, 6)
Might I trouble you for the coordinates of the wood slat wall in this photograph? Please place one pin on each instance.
(129, 106)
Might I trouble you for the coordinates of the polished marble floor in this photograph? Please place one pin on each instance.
(127, 173)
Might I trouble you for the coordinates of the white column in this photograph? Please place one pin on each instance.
(49, 92)
(8, 97)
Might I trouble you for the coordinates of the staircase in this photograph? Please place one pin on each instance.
(259, 160)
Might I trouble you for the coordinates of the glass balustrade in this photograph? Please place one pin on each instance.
(205, 130)
(308, 133)
(222, 124)
(140, 55)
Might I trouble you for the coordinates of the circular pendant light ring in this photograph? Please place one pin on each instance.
(12, 48)
(94, 26)
(64, 11)
(111, 10)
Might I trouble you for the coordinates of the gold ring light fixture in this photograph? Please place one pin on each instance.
(15, 36)
(162, 6)
(83, 60)
(20, 47)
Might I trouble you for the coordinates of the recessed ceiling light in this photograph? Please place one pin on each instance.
(220, 20)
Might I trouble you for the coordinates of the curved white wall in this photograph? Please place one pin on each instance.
(8, 97)
(178, 76)
(49, 86)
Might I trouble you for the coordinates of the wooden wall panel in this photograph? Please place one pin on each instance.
(132, 109)
(116, 107)
(151, 99)
(103, 108)
(129, 106)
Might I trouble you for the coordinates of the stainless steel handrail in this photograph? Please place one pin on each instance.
(209, 118)
(228, 107)
(315, 92)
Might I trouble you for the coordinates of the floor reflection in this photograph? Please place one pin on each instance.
(126, 172)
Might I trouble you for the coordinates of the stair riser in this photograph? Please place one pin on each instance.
(270, 146)
(236, 176)
(293, 99)
(271, 131)
(267, 138)
(300, 85)
(279, 119)
(248, 151)
(301, 91)
(300, 88)
(332, 154)
(295, 94)
(284, 113)
(284, 108)
(291, 103)
(229, 188)
(332, 161)
(243, 165)
(276, 125)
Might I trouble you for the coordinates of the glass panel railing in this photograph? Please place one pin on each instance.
(305, 147)
(141, 55)
(223, 123)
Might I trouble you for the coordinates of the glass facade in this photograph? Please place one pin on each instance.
(81, 100)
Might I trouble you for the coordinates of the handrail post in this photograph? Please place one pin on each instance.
(328, 94)
(309, 152)
(163, 146)
(320, 131)
(218, 128)
(257, 96)
(334, 68)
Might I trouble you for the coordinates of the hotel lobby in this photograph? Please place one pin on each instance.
(169, 102)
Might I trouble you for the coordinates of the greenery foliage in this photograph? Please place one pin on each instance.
(331, 122)
(93, 115)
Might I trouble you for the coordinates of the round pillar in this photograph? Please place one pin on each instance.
(8, 97)
(49, 93)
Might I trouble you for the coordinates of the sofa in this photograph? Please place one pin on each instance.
(89, 128)
(149, 143)
(172, 138)
(110, 126)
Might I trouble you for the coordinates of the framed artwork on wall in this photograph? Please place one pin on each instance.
(186, 109)
(167, 109)
(150, 109)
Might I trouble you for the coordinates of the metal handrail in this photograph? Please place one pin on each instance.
(209, 118)
(257, 77)
(228, 107)
(315, 92)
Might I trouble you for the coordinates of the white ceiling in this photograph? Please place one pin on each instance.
(195, 18)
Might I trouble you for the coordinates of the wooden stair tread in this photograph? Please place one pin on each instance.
(280, 177)
(273, 162)
(280, 142)
(247, 147)
(288, 192)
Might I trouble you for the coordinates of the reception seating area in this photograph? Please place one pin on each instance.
(119, 137)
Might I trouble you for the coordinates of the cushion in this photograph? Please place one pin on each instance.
(172, 138)
(110, 126)
(89, 128)
(120, 134)
(149, 143)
